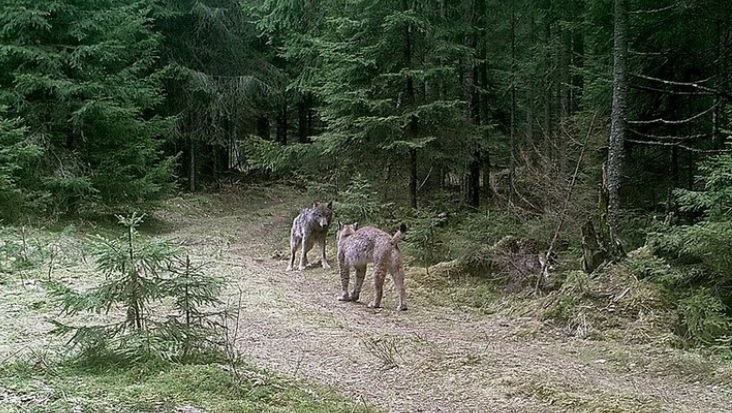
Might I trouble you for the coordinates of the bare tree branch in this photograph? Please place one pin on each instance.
(670, 137)
(658, 10)
(670, 92)
(695, 85)
(690, 149)
(673, 122)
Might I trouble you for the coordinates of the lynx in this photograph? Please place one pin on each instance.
(359, 246)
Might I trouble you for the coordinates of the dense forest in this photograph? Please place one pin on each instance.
(562, 169)
(119, 102)
(442, 110)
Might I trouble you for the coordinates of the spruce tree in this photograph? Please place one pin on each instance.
(83, 76)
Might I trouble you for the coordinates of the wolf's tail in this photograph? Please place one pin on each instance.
(399, 235)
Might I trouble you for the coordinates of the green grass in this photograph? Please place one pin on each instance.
(31, 385)
(37, 375)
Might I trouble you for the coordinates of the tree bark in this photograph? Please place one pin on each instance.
(282, 125)
(192, 164)
(479, 78)
(616, 150)
(512, 136)
(305, 118)
(413, 125)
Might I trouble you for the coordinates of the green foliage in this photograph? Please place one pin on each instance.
(363, 80)
(701, 250)
(426, 240)
(140, 276)
(704, 317)
(17, 152)
(714, 200)
(82, 77)
(20, 250)
(358, 202)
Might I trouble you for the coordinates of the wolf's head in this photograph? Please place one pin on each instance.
(323, 214)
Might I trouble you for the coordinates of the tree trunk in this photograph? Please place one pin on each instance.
(263, 127)
(616, 149)
(413, 178)
(413, 125)
(192, 164)
(479, 78)
(512, 136)
(529, 128)
(305, 118)
(282, 125)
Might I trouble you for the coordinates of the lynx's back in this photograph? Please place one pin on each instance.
(358, 248)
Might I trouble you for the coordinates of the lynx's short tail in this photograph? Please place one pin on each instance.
(399, 235)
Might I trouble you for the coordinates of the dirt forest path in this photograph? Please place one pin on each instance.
(428, 359)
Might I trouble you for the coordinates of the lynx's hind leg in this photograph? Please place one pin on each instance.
(398, 277)
(379, 275)
(360, 275)
(345, 276)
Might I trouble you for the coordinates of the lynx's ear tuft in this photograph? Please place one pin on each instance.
(403, 227)
(330, 205)
(355, 226)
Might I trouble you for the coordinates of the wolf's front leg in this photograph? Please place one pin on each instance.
(304, 253)
(323, 261)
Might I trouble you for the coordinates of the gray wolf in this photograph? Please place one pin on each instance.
(309, 227)
(359, 246)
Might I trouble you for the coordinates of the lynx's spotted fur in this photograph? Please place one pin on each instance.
(359, 246)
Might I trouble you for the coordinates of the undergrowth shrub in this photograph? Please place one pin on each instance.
(19, 250)
(425, 242)
(703, 318)
(140, 278)
(622, 302)
(359, 202)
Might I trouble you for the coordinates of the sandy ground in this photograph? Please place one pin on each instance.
(430, 358)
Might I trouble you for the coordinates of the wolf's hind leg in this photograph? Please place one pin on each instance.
(294, 243)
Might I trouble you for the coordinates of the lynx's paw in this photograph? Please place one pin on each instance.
(326, 265)
(374, 305)
(344, 297)
(402, 307)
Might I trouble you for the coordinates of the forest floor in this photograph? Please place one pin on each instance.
(436, 357)
(439, 356)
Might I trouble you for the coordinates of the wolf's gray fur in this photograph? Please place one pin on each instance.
(309, 227)
(359, 246)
